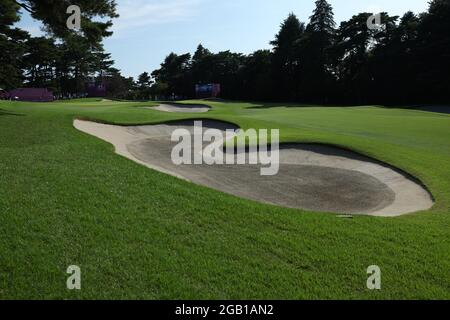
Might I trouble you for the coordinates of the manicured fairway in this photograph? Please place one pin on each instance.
(67, 199)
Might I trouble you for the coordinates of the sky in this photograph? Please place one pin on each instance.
(148, 30)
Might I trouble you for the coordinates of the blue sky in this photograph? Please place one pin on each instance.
(148, 30)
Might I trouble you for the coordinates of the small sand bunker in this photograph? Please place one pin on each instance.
(181, 108)
(311, 177)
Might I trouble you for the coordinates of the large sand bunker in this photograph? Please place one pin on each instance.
(181, 108)
(311, 177)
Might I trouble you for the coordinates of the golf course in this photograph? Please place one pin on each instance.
(67, 198)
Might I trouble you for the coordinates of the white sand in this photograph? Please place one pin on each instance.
(409, 195)
(179, 108)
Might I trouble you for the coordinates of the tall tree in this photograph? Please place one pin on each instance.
(434, 51)
(53, 15)
(175, 72)
(202, 65)
(144, 83)
(226, 67)
(40, 62)
(286, 64)
(352, 53)
(12, 45)
(318, 78)
(65, 66)
(399, 62)
(256, 76)
(118, 86)
(102, 61)
(390, 59)
(405, 58)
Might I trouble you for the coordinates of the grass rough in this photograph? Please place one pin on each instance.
(67, 198)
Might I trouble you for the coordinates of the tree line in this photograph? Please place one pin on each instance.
(63, 60)
(405, 60)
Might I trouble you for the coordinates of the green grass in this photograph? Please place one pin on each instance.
(66, 198)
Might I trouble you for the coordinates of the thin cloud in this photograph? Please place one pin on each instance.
(137, 14)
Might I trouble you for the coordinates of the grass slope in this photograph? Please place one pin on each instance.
(67, 198)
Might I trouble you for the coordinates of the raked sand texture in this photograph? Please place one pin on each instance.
(311, 177)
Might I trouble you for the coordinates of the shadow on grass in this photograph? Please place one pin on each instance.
(271, 105)
(7, 113)
(433, 108)
(437, 109)
(442, 109)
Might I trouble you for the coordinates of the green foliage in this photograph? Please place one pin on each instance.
(144, 86)
(315, 54)
(67, 198)
(202, 64)
(434, 49)
(53, 14)
(118, 86)
(258, 74)
(9, 14)
(286, 66)
(404, 61)
(11, 45)
(175, 72)
(62, 61)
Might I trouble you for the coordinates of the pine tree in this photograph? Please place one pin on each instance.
(52, 13)
(316, 45)
(202, 65)
(144, 82)
(12, 45)
(434, 51)
(286, 63)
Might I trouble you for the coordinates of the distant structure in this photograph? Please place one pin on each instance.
(31, 95)
(203, 91)
(96, 90)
